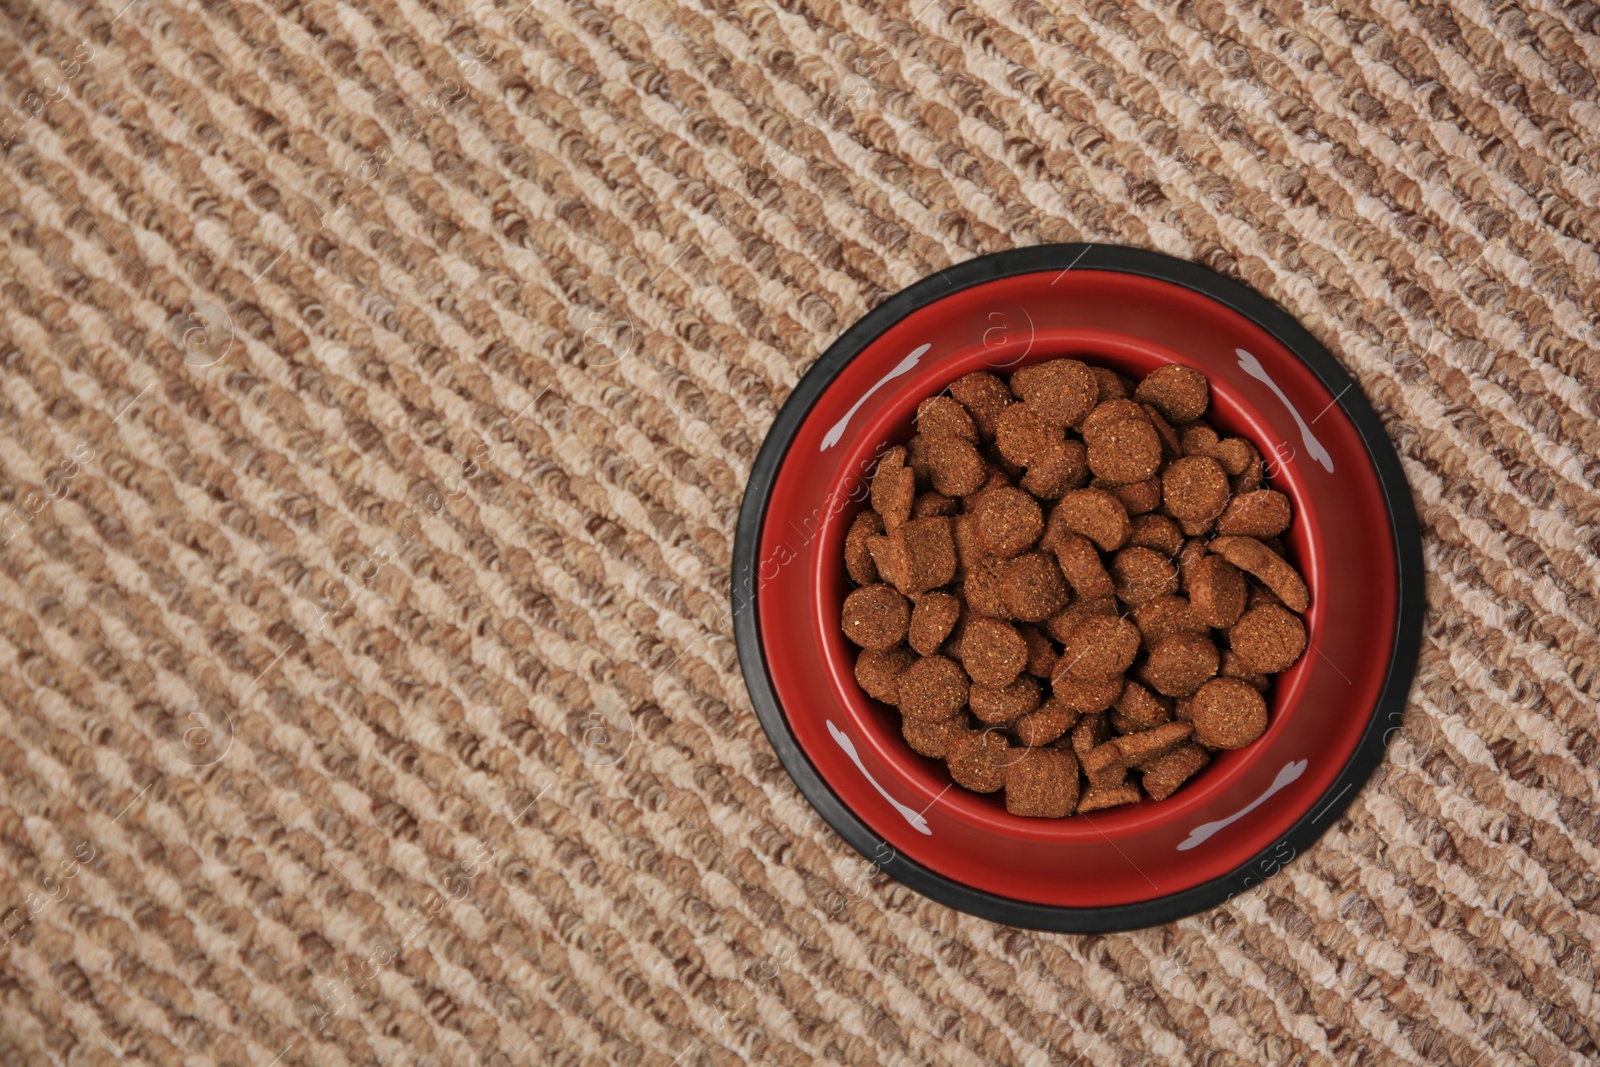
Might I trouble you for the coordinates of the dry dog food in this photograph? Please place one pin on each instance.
(1073, 587)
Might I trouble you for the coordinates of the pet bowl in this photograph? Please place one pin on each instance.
(1354, 539)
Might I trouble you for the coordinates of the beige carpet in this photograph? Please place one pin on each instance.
(378, 384)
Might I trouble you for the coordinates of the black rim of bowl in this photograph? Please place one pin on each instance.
(1386, 713)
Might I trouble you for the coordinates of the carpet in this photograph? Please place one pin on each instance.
(378, 385)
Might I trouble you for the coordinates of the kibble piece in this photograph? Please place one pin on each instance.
(1112, 385)
(978, 760)
(1105, 766)
(889, 560)
(1110, 411)
(1085, 698)
(1080, 565)
(1091, 732)
(945, 415)
(930, 551)
(1178, 665)
(1097, 515)
(934, 687)
(857, 557)
(1123, 450)
(932, 620)
(969, 548)
(1268, 639)
(1183, 709)
(1275, 572)
(1228, 713)
(1100, 648)
(1181, 393)
(1005, 703)
(1255, 595)
(879, 672)
(1236, 455)
(1234, 667)
(1063, 622)
(993, 652)
(1140, 575)
(931, 504)
(917, 460)
(1042, 784)
(1009, 520)
(985, 397)
(1041, 653)
(1140, 497)
(894, 488)
(985, 587)
(1253, 476)
(1155, 742)
(1056, 470)
(1197, 438)
(998, 478)
(954, 466)
(1156, 532)
(1196, 527)
(1101, 799)
(1160, 618)
(1163, 777)
(1034, 588)
(1171, 447)
(1022, 435)
(1064, 391)
(1194, 549)
(876, 617)
(1194, 489)
(1263, 513)
(932, 737)
(1052, 719)
(1141, 707)
(1216, 592)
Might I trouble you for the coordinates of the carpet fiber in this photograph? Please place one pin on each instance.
(378, 385)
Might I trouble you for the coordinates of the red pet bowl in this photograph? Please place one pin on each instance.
(1354, 538)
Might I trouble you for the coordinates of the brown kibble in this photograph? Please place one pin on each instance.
(1194, 550)
(1228, 713)
(1096, 514)
(1042, 784)
(1063, 622)
(857, 557)
(1197, 438)
(1275, 572)
(1022, 435)
(1111, 411)
(1196, 527)
(932, 737)
(1099, 648)
(1063, 391)
(1050, 721)
(1009, 520)
(932, 620)
(1163, 777)
(1041, 653)
(969, 549)
(1180, 393)
(1216, 592)
(1086, 698)
(929, 549)
(931, 504)
(889, 560)
(1160, 618)
(1139, 575)
(1183, 709)
(1003, 704)
(1252, 478)
(1105, 766)
(1157, 533)
(1236, 455)
(993, 652)
(1081, 567)
(1178, 665)
(954, 466)
(1034, 588)
(1268, 639)
(1091, 732)
(934, 687)
(985, 587)
(1171, 447)
(985, 397)
(944, 415)
(1234, 667)
(1100, 799)
(879, 672)
(894, 488)
(1194, 489)
(1140, 497)
(1112, 385)
(1141, 707)
(978, 760)
(1263, 513)
(1123, 451)
(876, 617)
(1154, 743)
(1057, 470)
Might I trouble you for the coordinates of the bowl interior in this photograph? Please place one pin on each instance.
(1340, 541)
